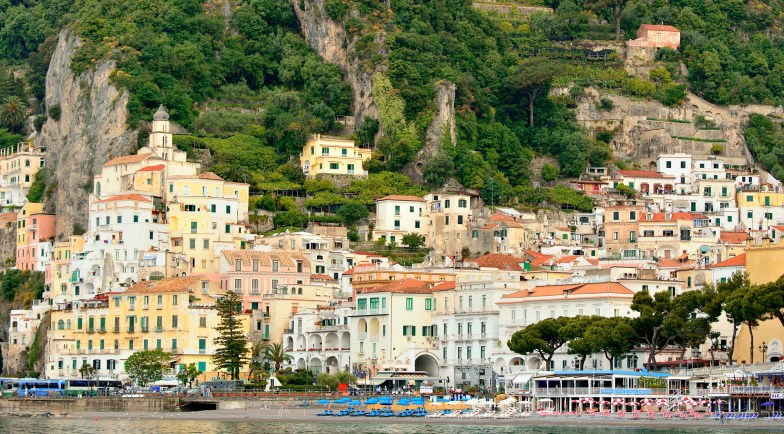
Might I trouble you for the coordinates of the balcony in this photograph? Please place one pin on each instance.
(145, 329)
(102, 330)
(755, 390)
(158, 329)
(90, 330)
(364, 312)
(131, 330)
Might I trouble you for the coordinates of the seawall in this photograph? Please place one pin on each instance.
(74, 405)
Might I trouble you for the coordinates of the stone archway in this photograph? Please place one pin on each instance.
(427, 363)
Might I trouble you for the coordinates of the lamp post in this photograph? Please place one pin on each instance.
(763, 349)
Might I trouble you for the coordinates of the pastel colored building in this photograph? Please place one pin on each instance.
(397, 215)
(658, 36)
(18, 166)
(34, 237)
(253, 273)
(176, 315)
(333, 156)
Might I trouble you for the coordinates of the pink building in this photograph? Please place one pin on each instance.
(657, 36)
(253, 273)
(35, 240)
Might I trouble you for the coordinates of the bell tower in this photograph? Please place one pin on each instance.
(161, 137)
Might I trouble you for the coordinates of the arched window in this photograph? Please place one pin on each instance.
(27, 163)
(61, 325)
(27, 178)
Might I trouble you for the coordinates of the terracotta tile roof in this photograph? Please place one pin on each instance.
(265, 258)
(501, 216)
(564, 229)
(127, 159)
(349, 272)
(120, 197)
(659, 28)
(735, 237)
(737, 261)
(321, 277)
(402, 197)
(537, 258)
(405, 286)
(566, 259)
(778, 228)
(169, 284)
(643, 174)
(210, 175)
(573, 289)
(669, 263)
(155, 168)
(444, 286)
(500, 261)
(660, 216)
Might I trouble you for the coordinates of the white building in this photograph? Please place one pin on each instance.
(529, 306)
(392, 329)
(319, 339)
(679, 167)
(397, 215)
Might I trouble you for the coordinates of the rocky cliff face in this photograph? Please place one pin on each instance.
(645, 129)
(328, 38)
(440, 130)
(91, 130)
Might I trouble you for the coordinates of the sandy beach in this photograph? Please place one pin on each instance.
(309, 416)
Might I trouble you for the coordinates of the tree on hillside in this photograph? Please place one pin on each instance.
(544, 338)
(747, 307)
(617, 7)
(531, 77)
(188, 374)
(438, 169)
(352, 212)
(690, 317)
(231, 350)
(146, 367)
(413, 240)
(13, 113)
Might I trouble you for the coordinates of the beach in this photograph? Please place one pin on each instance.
(309, 416)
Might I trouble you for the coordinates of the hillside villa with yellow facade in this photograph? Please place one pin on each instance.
(333, 156)
(176, 315)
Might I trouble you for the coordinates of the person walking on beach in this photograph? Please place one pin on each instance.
(721, 417)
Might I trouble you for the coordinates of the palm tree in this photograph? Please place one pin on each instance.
(13, 113)
(276, 354)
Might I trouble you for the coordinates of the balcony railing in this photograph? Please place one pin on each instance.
(361, 312)
(755, 390)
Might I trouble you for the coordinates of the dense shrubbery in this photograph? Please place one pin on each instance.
(766, 142)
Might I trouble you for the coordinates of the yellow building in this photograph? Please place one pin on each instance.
(760, 209)
(332, 156)
(61, 268)
(761, 264)
(206, 215)
(176, 315)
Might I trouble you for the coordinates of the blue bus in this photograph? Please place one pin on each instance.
(40, 388)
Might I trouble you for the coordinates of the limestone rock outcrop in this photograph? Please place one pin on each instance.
(92, 129)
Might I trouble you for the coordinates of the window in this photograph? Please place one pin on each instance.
(668, 164)
(192, 243)
(428, 304)
(194, 227)
(416, 224)
(397, 210)
(334, 166)
(749, 198)
(615, 236)
(460, 220)
(462, 203)
(202, 346)
(203, 322)
(683, 164)
(616, 215)
(238, 285)
(174, 321)
(633, 215)
(409, 303)
(275, 266)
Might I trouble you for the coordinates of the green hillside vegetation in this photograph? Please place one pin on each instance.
(253, 91)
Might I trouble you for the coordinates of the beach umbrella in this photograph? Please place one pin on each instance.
(575, 401)
(632, 404)
(355, 403)
(647, 401)
(323, 402)
(766, 404)
(603, 402)
(661, 401)
(587, 400)
(617, 401)
(442, 400)
(402, 401)
(372, 401)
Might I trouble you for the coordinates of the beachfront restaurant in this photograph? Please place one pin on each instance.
(613, 390)
(404, 381)
(761, 391)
